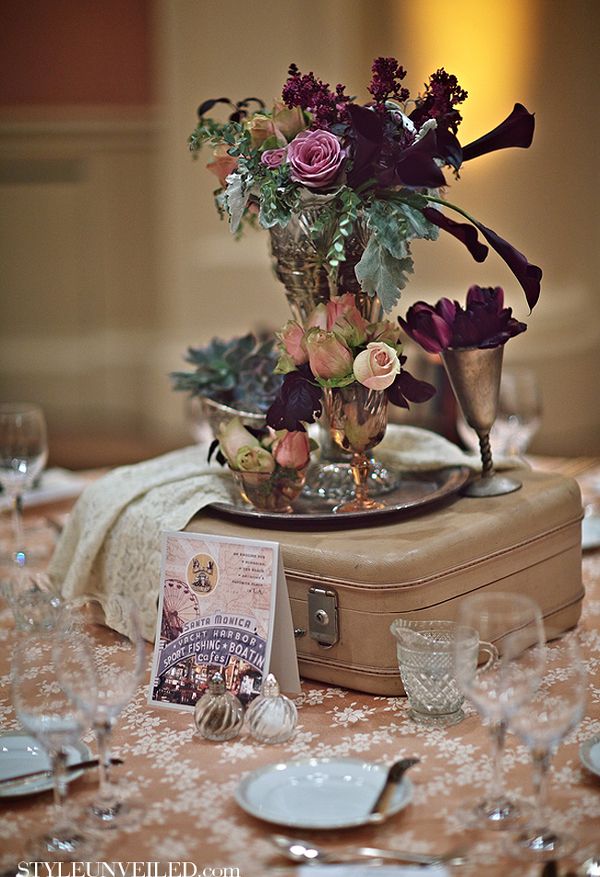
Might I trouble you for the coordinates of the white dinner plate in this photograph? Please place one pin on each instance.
(21, 753)
(589, 753)
(590, 532)
(320, 793)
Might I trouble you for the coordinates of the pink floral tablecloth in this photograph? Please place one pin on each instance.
(182, 788)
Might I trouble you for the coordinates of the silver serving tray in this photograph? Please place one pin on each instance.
(414, 491)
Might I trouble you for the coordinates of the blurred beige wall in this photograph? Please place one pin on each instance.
(114, 259)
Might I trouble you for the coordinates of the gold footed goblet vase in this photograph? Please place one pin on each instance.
(357, 422)
(474, 374)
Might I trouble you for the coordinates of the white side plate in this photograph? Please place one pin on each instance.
(21, 753)
(320, 793)
(589, 754)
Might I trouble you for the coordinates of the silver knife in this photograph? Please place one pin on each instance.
(43, 774)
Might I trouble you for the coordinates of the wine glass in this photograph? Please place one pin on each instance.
(23, 455)
(513, 623)
(555, 709)
(56, 720)
(519, 411)
(35, 606)
(119, 662)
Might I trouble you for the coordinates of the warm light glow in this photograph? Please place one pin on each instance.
(485, 43)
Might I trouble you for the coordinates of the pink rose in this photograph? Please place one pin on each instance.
(338, 306)
(292, 450)
(289, 121)
(291, 339)
(273, 157)
(329, 357)
(345, 319)
(222, 164)
(317, 319)
(233, 437)
(377, 366)
(315, 158)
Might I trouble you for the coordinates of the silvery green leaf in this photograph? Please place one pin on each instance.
(236, 196)
(389, 225)
(380, 273)
(419, 226)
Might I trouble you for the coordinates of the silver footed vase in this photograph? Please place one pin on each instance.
(474, 375)
(300, 263)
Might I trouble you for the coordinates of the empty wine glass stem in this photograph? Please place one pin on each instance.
(498, 735)
(541, 766)
(487, 466)
(17, 520)
(103, 734)
(58, 765)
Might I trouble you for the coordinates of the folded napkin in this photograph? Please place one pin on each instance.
(367, 871)
(110, 546)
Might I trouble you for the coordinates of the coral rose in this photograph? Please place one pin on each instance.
(377, 366)
(222, 164)
(315, 159)
(292, 450)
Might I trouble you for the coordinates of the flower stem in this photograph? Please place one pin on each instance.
(452, 207)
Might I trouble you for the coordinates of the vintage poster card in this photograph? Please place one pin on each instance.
(223, 607)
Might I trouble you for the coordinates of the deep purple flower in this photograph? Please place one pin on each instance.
(385, 84)
(298, 401)
(484, 321)
(516, 130)
(315, 158)
(311, 94)
(431, 327)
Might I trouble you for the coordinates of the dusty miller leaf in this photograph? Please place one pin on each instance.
(380, 273)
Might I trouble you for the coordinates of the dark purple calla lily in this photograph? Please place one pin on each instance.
(484, 321)
(528, 275)
(368, 140)
(465, 233)
(516, 130)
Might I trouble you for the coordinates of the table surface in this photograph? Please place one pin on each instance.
(183, 787)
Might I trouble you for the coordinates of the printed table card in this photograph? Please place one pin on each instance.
(223, 607)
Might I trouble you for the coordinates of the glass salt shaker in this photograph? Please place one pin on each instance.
(272, 717)
(218, 715)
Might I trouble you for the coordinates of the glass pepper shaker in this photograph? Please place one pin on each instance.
(218, 715)
(272, 717)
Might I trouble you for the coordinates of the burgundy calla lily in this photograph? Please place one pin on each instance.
(516, 130)
(465, 233)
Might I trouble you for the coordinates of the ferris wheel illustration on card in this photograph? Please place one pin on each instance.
(180, 606)
(202, 574)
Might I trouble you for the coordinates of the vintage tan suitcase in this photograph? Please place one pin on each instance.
(347, 585)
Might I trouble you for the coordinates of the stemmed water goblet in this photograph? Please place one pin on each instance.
(513, 623)
(119, 663)
(57, 721)
(23, 455)
(555, 709)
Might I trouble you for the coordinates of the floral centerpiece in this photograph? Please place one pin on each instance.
(350, 367)
(269, 466)
(371, 171)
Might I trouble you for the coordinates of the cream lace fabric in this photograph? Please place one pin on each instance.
(111, 544)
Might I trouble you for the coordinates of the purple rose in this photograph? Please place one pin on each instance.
(315, 158)
(273, 157)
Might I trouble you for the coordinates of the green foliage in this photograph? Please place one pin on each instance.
(380, 273)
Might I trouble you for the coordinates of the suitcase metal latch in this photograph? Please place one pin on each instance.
(323, 623)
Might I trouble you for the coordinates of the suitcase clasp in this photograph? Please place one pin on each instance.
(323, 623)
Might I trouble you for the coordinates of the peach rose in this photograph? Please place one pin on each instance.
(292, 450)
(291, 339)
(377, 366)
(222, 164)
(262, 128)
(289, 121)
